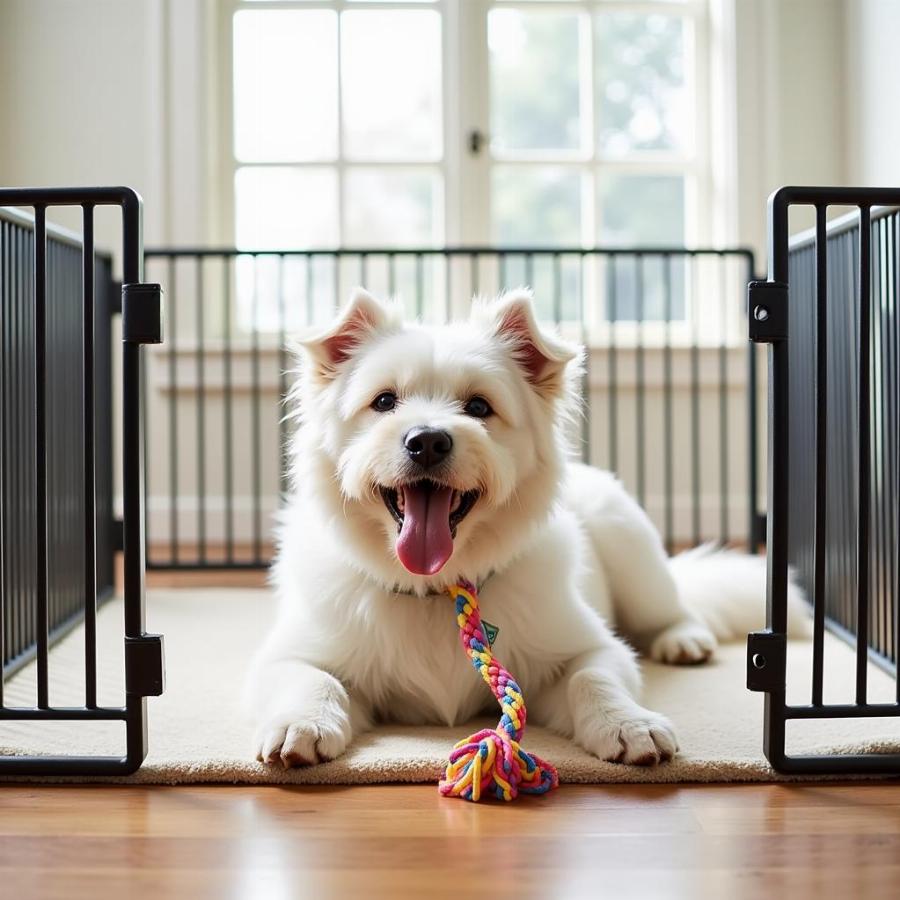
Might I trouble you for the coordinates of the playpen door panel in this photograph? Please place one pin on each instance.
(829, 313)
(57, 532)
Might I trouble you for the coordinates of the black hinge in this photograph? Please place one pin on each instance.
(145, 669)
(767, 305)
(142, 314)
(766, 657)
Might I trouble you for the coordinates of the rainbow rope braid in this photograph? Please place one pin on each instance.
(492, 761)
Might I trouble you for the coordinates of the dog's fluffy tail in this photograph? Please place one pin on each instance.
(726, 590)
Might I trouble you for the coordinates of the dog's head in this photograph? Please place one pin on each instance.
(440, 443)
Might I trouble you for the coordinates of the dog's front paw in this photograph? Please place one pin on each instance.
(639, 737)
(297, 741)
(684, 643)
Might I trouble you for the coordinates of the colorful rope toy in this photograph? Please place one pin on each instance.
(491, 761)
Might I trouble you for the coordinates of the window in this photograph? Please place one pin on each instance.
(337, 124)
(352, 122)
(592, 122)
(420, 123)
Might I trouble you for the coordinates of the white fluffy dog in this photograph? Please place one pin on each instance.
(428, 454)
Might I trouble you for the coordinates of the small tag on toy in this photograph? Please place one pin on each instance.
(490, 631)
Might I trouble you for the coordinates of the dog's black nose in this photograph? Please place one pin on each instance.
(427, 446)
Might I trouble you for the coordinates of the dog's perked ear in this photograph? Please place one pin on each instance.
(357, 322)
(543, 356)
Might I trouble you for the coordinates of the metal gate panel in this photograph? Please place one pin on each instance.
(667, 326)
(829, 313)
(57, 536)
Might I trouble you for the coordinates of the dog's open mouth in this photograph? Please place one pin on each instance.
(427, 515)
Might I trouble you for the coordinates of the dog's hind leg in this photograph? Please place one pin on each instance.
(645, 598)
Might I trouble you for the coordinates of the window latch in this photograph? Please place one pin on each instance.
(477, 140)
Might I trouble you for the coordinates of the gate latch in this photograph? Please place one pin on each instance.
(145, 670)
(766, 658)
(142, 314)
(767, 305)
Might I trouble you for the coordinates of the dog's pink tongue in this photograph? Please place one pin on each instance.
(425, 542)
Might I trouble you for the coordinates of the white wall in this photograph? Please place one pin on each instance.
(872, 31)
(110, 92)
(791, 121)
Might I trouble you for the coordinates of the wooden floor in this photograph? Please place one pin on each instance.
(767, 841)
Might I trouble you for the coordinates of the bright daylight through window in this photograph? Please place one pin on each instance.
(343, 137)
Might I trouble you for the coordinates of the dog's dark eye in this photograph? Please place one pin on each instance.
(384, 402)
(478, 407)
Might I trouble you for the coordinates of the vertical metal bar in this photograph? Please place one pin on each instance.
(228, 422)
(557, 289)
(865, 457)
(640, 418)
(502, 262)
(90, 481)
(752, 436)
(309, 289)
(585, 261)
(448, 286)
(201, 416)
(778, 501)
(392, 274)
(40, 436)
(282, 380)
(4, 450)
(612, 363)
(695, 409)
(895, 375)
(336, 293)
(133, 475)
(172, 324)
(21, 466)
(254, 410)
(668, 447)
(147, 466)
(821, 389)
(721, 262)
(893, 597)
(473, 273)
(420, 286)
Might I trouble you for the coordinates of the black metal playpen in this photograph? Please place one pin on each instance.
(671, 391)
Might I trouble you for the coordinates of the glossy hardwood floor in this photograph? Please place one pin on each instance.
(268, 843)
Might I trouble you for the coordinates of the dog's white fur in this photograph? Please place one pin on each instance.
(561, 551)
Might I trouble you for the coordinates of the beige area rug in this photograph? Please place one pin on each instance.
(197, 733)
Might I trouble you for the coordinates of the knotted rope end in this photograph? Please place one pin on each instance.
(491, 762)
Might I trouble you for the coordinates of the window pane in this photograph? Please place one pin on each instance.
(645, 288)
(534, 206)
(641, 209)
(535, 90)
(391, 208)
(279, 208)
(391, 83)
(645, 211)
(642, 100)
(285, 85)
